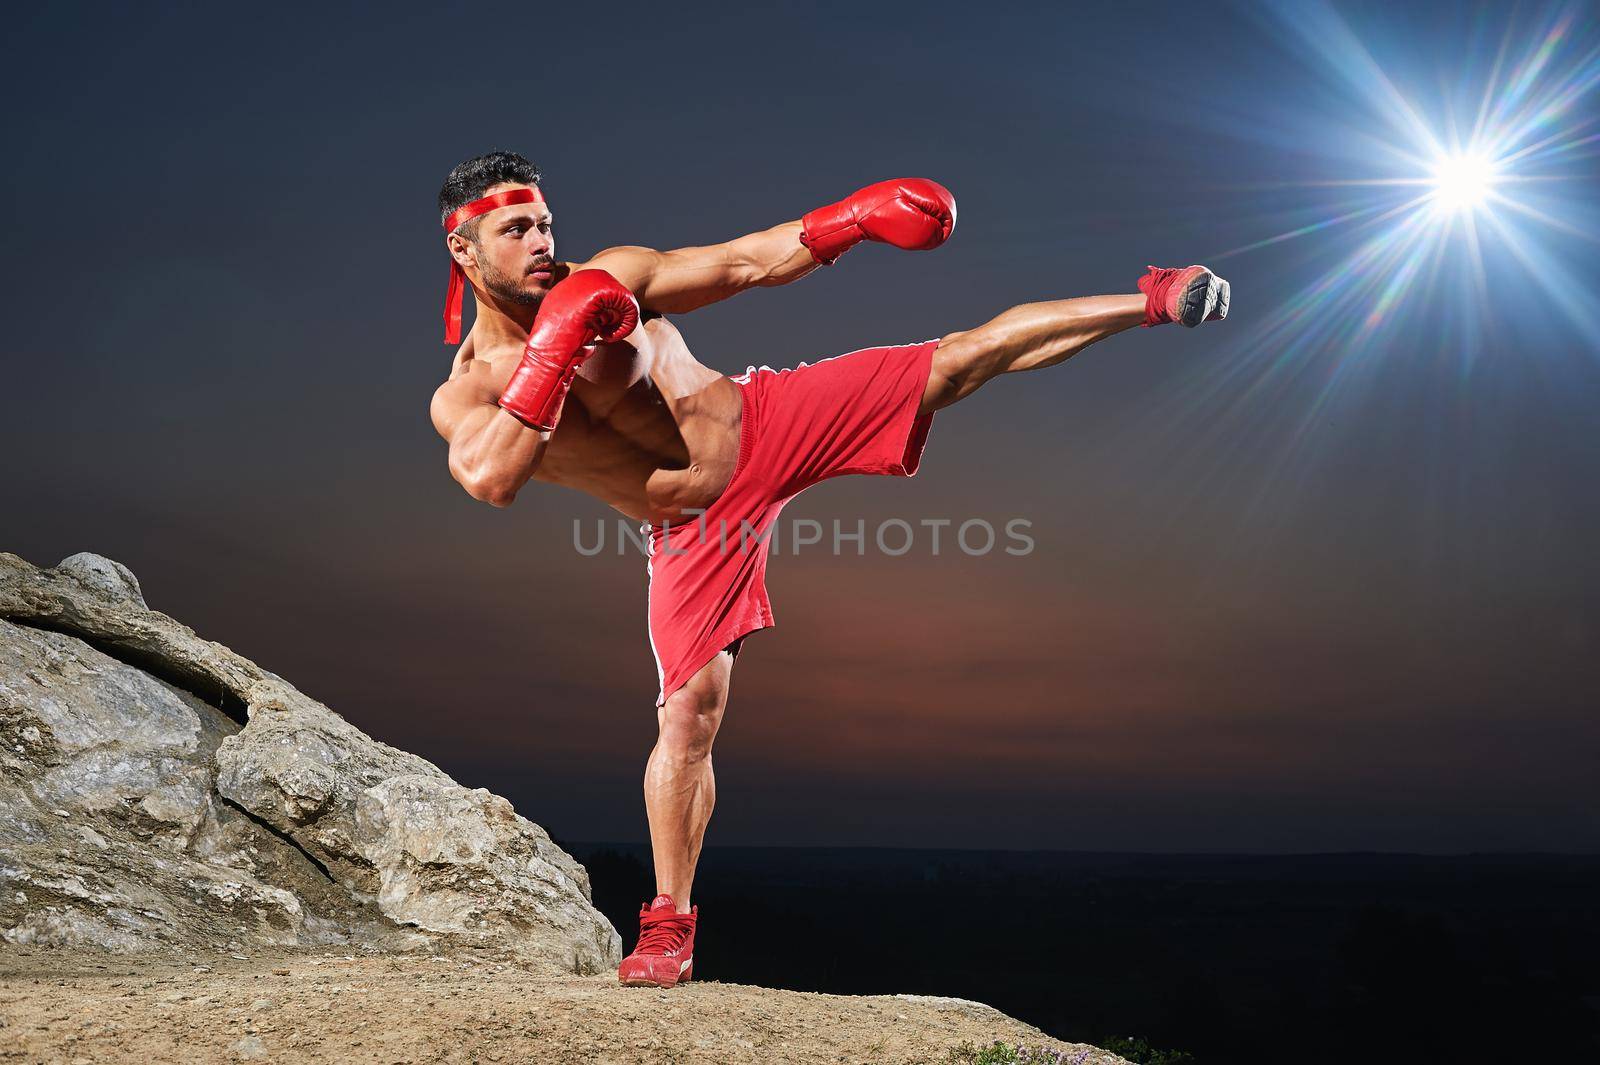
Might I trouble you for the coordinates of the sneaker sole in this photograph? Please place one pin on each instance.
(1224, 297)
(645, 981)
(1200, 299)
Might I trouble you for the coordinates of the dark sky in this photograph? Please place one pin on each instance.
(1285, 596)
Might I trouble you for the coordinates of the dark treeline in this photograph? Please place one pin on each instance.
(1234, 959)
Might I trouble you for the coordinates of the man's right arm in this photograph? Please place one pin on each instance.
(492, 453)
(498, 422)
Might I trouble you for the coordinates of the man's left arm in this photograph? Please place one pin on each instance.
(910, 213)
(673, 282)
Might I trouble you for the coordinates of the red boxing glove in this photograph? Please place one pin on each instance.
(911, 213)
(589, 305)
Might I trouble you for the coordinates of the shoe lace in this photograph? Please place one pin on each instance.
(662, 931)
(1155, 285)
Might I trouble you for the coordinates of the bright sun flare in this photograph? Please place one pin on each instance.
(1462, 181)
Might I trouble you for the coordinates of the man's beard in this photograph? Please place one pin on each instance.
(505, 287)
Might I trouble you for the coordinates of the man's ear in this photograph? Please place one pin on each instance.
(461, 250)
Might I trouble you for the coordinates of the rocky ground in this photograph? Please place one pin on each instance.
(78, 1007)
(200, 863)
(160, 792)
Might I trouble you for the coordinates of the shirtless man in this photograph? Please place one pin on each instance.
(571, 377)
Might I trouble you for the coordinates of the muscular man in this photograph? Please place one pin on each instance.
(570, 376)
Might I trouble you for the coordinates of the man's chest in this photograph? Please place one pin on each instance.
(615, 411)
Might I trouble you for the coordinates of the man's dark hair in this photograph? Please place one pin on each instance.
(471, 179)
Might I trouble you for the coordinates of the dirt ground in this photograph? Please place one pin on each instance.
(79, 1007)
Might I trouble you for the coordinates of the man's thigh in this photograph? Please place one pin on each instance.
(849, 414)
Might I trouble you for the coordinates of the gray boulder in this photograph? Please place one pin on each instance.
(136, 812)
(110, 578)
(111, 831)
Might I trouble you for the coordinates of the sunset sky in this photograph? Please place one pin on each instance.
(1322, 577)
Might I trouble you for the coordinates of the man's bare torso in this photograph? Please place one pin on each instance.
(646, 427)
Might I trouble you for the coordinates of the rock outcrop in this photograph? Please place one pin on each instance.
(158, 790)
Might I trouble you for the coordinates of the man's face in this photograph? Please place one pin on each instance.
(516, 250)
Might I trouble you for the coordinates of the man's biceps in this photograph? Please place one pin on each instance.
(454, 406)
(444, 413)
(467, 442)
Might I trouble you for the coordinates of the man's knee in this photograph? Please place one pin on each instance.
(961, 363)
(692, 714)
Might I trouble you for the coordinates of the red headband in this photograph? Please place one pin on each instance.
(458, 280)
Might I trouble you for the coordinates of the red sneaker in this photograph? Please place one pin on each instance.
(665, 953)
(1187, 295)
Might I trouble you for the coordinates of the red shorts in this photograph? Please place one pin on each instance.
(854, 413)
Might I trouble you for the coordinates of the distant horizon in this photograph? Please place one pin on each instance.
(645, 845)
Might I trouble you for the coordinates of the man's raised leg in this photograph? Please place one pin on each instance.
(1034, 335)
(679, 793)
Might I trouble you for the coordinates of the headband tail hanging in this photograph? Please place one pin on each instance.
(452, 304)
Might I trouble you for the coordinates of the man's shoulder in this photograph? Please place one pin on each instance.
(477, 377)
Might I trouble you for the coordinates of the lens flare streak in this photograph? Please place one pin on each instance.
(1447, 208)
(1525, 127)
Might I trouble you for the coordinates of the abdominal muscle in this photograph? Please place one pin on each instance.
(647, 429)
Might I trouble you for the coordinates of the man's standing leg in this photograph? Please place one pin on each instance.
(679, 787)
(680, 791)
